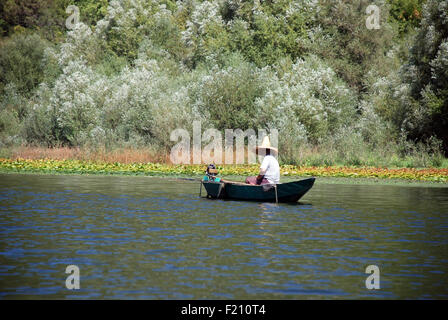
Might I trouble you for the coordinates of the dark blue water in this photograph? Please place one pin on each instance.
(152, 238)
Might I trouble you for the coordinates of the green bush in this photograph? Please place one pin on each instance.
(406, 13)
(229, 95)
(343, 40)
(134, 70)
(22, 62)
(426, 77)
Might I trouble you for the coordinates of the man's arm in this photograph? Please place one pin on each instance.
(263, 168)
(261, 175)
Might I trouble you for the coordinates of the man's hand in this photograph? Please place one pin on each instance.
(260, 176)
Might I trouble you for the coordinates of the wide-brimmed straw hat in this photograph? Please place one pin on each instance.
(266, 144)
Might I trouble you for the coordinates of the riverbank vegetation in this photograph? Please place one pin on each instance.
(154, 169)
(307, 156)
(130, 72)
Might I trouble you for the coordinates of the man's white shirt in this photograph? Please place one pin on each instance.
(270, 164)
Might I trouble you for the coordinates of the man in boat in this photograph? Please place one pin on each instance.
(269, 169)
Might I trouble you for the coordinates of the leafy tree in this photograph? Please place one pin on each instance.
(344, 41)
(407, 13)
(21, 62)
(229, 95)
(427, 74)
(275, 28)
(25, 13)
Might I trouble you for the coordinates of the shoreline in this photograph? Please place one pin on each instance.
(196, 178)
(327, 175)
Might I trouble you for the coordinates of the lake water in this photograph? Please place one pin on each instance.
(154, 238)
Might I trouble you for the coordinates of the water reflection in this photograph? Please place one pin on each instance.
(140, 237)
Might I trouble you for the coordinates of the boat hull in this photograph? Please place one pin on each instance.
(286, 192)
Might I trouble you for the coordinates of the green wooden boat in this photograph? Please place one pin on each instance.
(283, 192)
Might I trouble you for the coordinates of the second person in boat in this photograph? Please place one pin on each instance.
(269, 169)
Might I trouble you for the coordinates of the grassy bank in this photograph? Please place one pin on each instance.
(307, 157)
(287, 171)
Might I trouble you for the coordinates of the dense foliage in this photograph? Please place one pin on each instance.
(134, 70)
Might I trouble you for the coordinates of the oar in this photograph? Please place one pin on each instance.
(189, 179)
(193, 179)
(276, 196)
